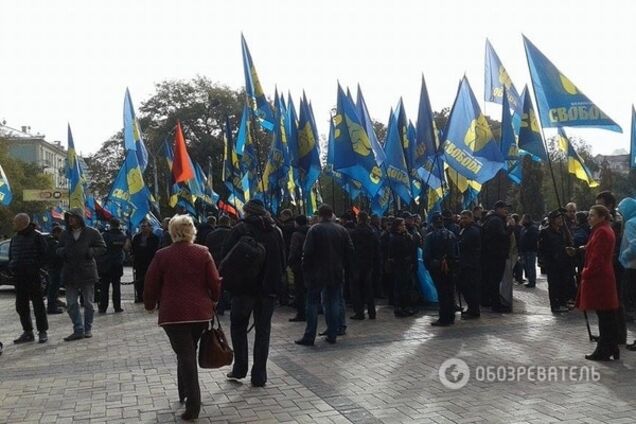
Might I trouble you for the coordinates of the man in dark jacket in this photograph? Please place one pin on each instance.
(165, 239)
(449, 222)
(327, 257)
(79, 246)
(495, 251)
(402, 260)
(552, 249)
(528, 245)
(470, 263)
(144, 246)
(287, 226)
(295, 263)
(440, 257)
(260, 298)
(111, 266)
(204, 229)
(54, 268)
(215, 242)
(27, 254)
(366, 246)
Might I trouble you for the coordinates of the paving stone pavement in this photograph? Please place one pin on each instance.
(383, 371)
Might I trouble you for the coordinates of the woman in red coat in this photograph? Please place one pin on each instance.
(597, 290)
(183, 281)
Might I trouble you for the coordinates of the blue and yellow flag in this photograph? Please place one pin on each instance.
(530, 139)
(77, 197)
(308, 154)
(469, 188)
(232, 176)
(208, 195)
(469, 145)
(174, 187)
(138, 191)
(576, 165)
(132, 133)
(256, 99)
(508, 141)
(291, 128)
(6, 196)
(367, 123)
(497, 80)
(353, 155)
(397, 173)
(632, 152)
(560, 102)
(250, 166)
(276, 172)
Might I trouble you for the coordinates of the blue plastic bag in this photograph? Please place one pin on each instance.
(424, 279)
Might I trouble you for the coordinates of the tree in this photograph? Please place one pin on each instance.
(105, 164)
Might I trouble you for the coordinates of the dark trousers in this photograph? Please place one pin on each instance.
(362, 291)
(28, 289)
(55, 277)
(469, 279)
(401, 286)
(558, 290)
(242, 308)
(105, 283)
(388, 287)
(621, 326)
(184, 339)
(140, 276)
(300, 293)
(445, 294)
(608, 331)
(492, 274)
(517, 271)
(331, 298)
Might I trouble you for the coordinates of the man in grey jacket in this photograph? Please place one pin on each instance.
(79, 245)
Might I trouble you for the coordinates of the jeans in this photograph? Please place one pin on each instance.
(105, 283)
(362, 291)
(332, 299)
(184, 339)
(55, 277)
(28, 289)
(73, 307)
(529, 261)
(242, 308)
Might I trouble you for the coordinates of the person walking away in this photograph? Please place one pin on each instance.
(469, 263)
(440, 257)
(402, 257)
(366, 247)
(215, 241)
(165, 239)
(528, 246)
(495, 250)
(54, 268)
(259, 296)
(597, 290)
(79, 246)
(27, 254)
(327, 257)
(204, 229)
(144, 246)
(552, 250)
(111, 266)
(627, 256)
(183, 279)
(295, 264)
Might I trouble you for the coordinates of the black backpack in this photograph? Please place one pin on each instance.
(242, 265)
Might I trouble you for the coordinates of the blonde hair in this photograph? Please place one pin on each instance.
(181, 228)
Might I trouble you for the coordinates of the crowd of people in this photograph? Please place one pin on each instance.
(318, 265)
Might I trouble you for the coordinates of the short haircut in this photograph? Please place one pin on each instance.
(396, 223)
(301, 220)
(224, 220)
(211, 220)
(182, 228)
(325, 211)
(608, 199)
(467, 213)
(570, 204)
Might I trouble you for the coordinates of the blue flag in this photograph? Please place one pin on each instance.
(5, 189)
(77, 197)
(469, 145)
(276, 172)
(632, 153)
(395, 165)
(291, 128)
(530, 138)
(204, 181)
(508, 142)
(353, 155)
(576, 165)
(497, 80)
(249, 160)
(308, 154)
(232, 176)
(363, 113)
(132, 133)
(560, 102)
(256, 99)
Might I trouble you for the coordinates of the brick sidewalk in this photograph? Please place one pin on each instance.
(383, 371)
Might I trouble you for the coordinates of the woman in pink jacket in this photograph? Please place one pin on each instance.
(183, 282)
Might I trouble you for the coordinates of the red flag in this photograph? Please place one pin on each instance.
(228, 209)
(181, 165)
(102, 213)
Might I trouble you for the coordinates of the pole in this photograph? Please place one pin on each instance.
(156, 179)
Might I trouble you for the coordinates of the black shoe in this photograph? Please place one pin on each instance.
(358, 317)
(54, 311)
(342, 332)
(189, 415)
(371, 316)
(88, 334)
(599, 356)
(304, 342)
(258, 383)
(25, 337)
(233, 377)
(324, 333)
(139, 301)
(330, 341)
(119, 310)
(560, 310)
(42, 337)
(440, 323)
(102, 311)
(73, 337)
(297, 319)
(531, 285)
(399, 313)
(470, 315)
(501, 309)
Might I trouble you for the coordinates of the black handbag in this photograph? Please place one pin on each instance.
(214, 350)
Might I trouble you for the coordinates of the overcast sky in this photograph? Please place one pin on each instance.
(70, 61)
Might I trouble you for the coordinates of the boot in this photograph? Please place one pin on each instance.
(25, 337)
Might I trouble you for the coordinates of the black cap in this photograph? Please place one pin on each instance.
(555, 214)
(501, 204)
(437, 217)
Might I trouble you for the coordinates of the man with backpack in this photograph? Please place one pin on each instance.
(252, 269)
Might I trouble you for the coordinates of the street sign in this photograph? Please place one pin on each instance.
(44, 195)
